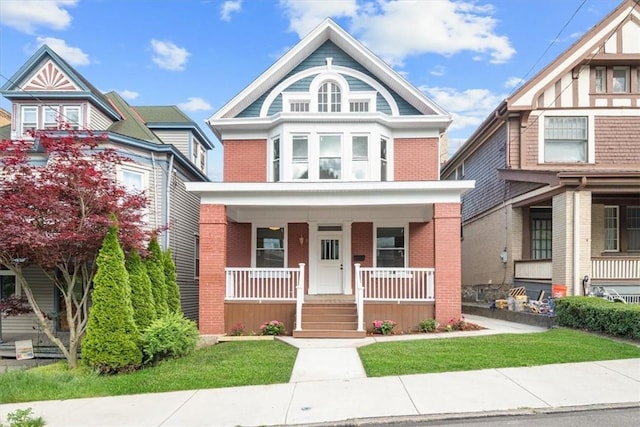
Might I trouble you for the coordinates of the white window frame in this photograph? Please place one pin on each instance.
(51, 125)
(254, 243)
(352, 158)
(196, 256)
(23, 110)
(567, 113)
(330, 105)
(617, 228)
(627, 74)
(341, 157)
(195, 148)
(65, 116)
(376, 226)
(299, 159)
(273, 159)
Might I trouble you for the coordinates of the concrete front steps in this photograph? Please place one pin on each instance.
(326, 318)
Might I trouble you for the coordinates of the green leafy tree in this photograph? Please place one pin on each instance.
(144, 308)
(155, 268)
(112, 341)
(173, 292)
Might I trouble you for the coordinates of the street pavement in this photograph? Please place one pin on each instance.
(329, 386)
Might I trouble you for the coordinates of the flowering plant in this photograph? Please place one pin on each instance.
(456, 324)
(273, 327)
(237, 330)
(384, 327)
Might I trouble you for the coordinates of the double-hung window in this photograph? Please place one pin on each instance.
(132, 180)
(300, 161)
(196, 257)
(620, 81)
(330, 160)
(541, 233)
(51, 118)
(383, 159)
(565, 139)
(29, 119)
(71, 116)
(270, 247)
(390, 247)
(611, 229)
(360, 157)
(275, 159)
(601, 79)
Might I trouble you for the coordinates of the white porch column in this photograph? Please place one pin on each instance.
(347, 289)
(313, 257)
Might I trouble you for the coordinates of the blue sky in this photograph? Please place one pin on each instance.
(466, 55)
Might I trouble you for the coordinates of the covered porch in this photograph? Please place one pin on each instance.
(295, 252)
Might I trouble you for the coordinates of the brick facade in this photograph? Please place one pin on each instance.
(245, 160)
(213, 260)
(446, 220)
(416, 159)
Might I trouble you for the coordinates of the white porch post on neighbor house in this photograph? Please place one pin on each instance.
(299, 297)
(346, 259)
(359, 297)
(313, 256)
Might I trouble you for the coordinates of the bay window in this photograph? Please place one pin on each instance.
(275, 159)
(360, 158)
(300, 164)
(330, 159)
(29, 119)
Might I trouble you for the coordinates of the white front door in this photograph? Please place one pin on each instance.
(329, 273)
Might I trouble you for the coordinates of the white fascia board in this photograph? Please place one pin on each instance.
(330, 194)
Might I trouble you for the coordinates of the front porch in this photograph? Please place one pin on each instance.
(256, 295)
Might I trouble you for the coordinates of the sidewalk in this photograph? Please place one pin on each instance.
(320, 393)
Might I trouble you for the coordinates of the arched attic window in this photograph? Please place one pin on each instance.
(329, 98)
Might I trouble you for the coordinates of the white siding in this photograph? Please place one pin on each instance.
(44, 293)
(177, 138)
(97, 120)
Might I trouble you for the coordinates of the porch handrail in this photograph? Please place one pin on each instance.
(397, 284)
(359, 298)
(615, 267)
(299, 297)
(246, 283)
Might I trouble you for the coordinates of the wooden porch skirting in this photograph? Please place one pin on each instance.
(252, 314)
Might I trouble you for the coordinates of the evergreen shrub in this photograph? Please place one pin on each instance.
(598, 315)
(169, 337)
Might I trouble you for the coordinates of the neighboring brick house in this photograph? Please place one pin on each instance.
(331, 213)
(557, 171)
(165, 147)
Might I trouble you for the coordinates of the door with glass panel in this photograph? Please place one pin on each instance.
(329, 277)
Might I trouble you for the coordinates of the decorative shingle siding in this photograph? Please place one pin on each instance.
(483, 167)
(516, 188)
(618, 141)
(318, 59)
(529, 141)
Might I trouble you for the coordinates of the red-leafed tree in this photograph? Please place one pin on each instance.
(55, 208)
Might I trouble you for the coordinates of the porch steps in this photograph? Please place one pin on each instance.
(329, 319)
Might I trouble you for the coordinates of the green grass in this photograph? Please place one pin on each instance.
(227, 364)
(495, 351)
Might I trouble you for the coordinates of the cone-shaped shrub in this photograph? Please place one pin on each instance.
(173, 292)
(112, 339)
(155, 270)
(144, 308)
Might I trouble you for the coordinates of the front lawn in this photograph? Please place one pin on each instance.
(494, 351)
(227, 364)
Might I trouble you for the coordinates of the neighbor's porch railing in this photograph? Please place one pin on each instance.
(538, 269)
(615, 268)
(392, 284)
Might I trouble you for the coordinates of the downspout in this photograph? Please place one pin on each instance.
(576, 242)
(167, 202)
(155, 190)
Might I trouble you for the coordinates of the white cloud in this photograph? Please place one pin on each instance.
(304, 16)
(27, 16)
(73, 55)
(129, 94)
(395, 29)
(468, 108)
(195, 104)
(438, 71)
(168, 55)
(229, 7)
(513, 82)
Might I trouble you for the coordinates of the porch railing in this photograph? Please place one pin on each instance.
(615, 268)
(539, 269)
(392, 284)
(263, 284)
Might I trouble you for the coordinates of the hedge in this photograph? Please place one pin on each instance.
(599, 315)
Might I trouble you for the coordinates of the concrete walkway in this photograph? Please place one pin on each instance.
(328, 385)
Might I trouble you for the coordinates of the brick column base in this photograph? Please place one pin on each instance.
(213, 260)
(448, 265)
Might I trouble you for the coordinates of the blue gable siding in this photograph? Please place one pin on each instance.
(276, 106)
(318, 59)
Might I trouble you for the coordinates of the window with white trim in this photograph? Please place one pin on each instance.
(71, 116)
(52, 118)
(299, 106)
(132, 180)
(633, 228)
(270, 249)
(196, 257)
(28, 119)
(611, 229)
(359, 157)
(195, 153)
(275, 162)
(565, 139)
(329, 98)
(383, 159)
(390, 247)
(359, 106)
(300, 160)
(330, 160)
(620, 82)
